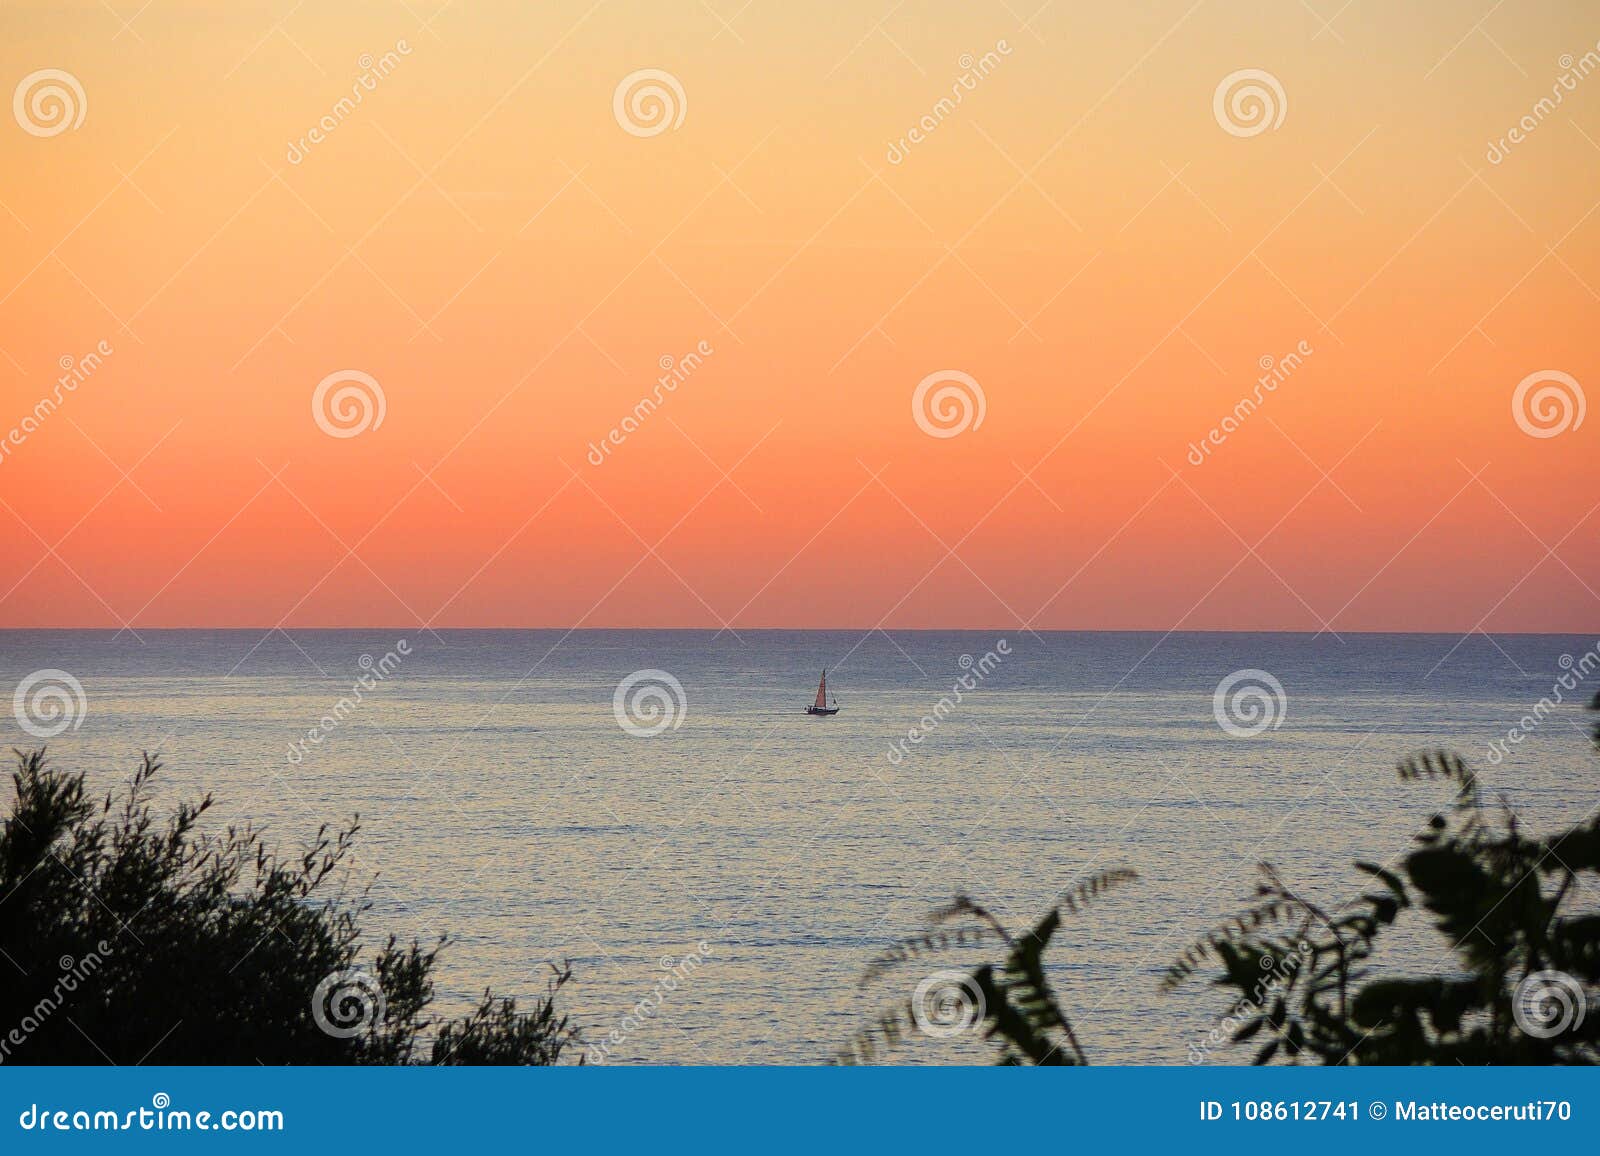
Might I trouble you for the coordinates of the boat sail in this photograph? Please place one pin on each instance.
(821, 705)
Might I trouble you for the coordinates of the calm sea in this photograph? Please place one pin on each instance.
(503, 802)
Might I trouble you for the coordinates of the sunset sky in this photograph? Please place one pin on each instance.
(1081, 235)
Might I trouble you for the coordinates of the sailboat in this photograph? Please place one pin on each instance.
(821, 705)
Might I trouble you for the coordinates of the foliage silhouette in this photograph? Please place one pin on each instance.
(1527, 977)
(1010, 1002)
(125, 939)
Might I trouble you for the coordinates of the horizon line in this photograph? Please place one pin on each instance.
(715, 630)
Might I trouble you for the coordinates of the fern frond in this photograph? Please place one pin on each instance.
(1275, 903)
(1012, 1004)
(917, 946)
(1093, 887)
(1030, 1016)
(895, 1025)
(963, 906)
(1430, 765)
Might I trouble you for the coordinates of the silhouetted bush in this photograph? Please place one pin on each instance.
(126, 939)
(1524, 987)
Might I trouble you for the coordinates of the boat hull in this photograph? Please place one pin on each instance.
(822, 710)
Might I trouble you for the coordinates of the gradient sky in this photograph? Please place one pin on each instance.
(1080, 235)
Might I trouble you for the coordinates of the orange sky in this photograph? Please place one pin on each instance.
(1080, 234)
